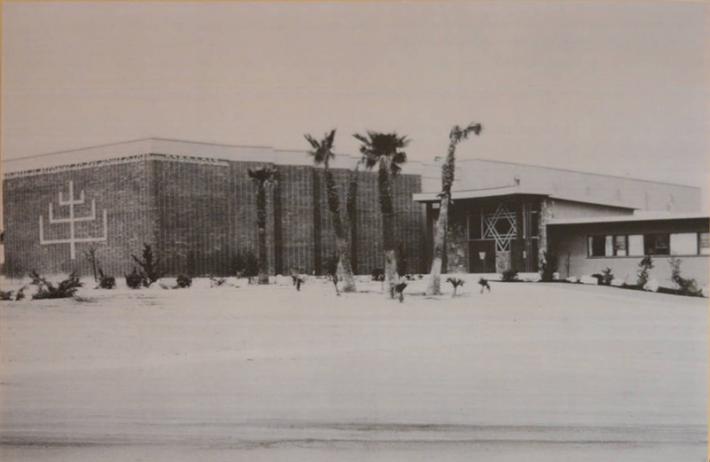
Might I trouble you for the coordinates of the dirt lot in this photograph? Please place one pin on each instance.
(531, 371)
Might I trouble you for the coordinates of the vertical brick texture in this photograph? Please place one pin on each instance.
(198, 215)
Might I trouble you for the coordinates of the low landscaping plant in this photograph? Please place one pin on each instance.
(106, 282)
(45, 289)
(183, 281)
(455, 283)
(378, 274)
(686, 286)
(149, 266)
(134, 280)
(645, 265)
(605, 277)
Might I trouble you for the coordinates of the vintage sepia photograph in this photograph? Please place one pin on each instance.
(354, 231)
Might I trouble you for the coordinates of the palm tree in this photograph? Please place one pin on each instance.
(322, 153)
(385, 151)
(262, 177)
(351, 209)
(456, 135)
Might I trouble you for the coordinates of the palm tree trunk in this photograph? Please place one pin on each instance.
(434, 286)
(351, 208)
(386, 206)
(261, 225)
(345, 270)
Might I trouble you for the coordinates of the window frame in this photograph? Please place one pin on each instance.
(627, 242)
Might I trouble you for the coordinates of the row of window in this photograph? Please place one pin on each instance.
(630, 245)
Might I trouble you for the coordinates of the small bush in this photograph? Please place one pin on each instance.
(548, 267)
(645, 265)
(604, 278)
(483, 282)
(378, 274)
(134, 280)
(456, 283)
(297, 280)
(399, 290)
(183, 281)
(607, 276)
(217, 281)
(685, 286)
(20, 294)
(149, 266)
(45, 289)
(5, 295)
(106, 282)
(509, 275)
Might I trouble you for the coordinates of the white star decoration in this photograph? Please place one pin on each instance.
(500, 226)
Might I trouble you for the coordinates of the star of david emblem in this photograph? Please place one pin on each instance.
(500, 226)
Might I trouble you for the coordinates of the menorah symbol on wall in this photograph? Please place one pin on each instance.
(72, 220)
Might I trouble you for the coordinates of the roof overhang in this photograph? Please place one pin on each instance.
(638, 217)
(476, 194)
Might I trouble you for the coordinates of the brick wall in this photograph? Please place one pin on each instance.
(120, 188)
(198, 213)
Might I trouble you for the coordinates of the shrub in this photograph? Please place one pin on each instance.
(45, 289)
(604, 278)
(134, 280)
(685, 286)
(456, 283)
(183, 281)
(217, 281)
(106, 282)
(20, 294)
(645, 265)
(607, 277)
(399, 290)
(509, 275)
(149, 265)
(297, 281)
(7, 295)
(548, 267)
(378, 274)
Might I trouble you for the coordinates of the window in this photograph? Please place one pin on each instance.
(608, 246)
(704, 243)
(656, 244)
(597, 246)
(636, 245)
(620, 246)
(684, 244)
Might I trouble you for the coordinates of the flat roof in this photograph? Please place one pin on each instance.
(181, 148)
(636, 217)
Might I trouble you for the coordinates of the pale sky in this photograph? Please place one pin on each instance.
(618, 87)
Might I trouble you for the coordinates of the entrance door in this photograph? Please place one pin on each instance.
(482, 256)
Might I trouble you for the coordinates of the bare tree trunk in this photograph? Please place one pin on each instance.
(434, 286)
(261, 225)
(344, 270)
(391, 276)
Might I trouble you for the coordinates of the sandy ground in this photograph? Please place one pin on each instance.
(532, 371)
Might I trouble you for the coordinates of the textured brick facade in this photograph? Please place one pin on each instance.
(197, 213)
